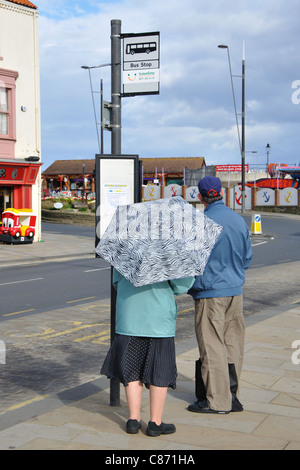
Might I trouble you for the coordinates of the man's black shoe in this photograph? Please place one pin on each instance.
(236, 405)
(202, 407)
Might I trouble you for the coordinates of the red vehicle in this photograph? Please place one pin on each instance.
(18, 226)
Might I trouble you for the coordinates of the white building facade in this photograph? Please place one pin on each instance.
(20, 119)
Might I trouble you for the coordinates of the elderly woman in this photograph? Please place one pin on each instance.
(143, 351)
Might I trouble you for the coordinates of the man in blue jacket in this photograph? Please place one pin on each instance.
(219, 322)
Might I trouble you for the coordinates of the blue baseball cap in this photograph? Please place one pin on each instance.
(210, 186)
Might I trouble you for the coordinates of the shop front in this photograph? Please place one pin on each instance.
(16, 182)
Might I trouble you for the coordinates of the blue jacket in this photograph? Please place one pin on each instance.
(148, 310)
(224, 274)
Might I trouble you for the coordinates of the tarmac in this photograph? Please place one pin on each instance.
(81, 418)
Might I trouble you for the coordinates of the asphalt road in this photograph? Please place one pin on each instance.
(48, 286)
(273, 277)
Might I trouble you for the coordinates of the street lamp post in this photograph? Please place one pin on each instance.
(86, 67)
(268, 148)
(241, 141)
(83, 182)
(223, 46)
(243, 132)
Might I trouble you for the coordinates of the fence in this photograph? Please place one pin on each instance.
(232, 196)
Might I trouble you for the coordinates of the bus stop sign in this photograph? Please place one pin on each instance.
(141, 64)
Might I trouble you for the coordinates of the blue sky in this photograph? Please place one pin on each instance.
(194, 114)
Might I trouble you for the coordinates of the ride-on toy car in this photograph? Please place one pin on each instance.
(18, 226)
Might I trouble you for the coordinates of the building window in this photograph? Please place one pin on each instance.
(4, 111)
(7, 112)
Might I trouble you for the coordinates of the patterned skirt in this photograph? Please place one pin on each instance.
(149, 360)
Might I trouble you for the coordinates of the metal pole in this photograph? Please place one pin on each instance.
(95, 114)
(83, 184)
(115, 150)
(243, 133)
(86, 67)
(116, 87)
(268, 151)
(101, 105)
(223, 46)
(234, 101)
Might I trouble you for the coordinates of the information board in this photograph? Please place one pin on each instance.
(117, 183)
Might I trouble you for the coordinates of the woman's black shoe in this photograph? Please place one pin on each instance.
(154, 430)
(133, 426)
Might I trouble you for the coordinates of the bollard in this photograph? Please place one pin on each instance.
(256, 224)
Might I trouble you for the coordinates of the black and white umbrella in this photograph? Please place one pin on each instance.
(154, 241)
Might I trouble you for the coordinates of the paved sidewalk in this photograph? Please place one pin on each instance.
(54, 246)
(82, 419)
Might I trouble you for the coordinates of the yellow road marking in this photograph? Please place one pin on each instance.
(79, 300)
(73, 330)
(186, 310)
(46, 332)
(94, 306)
(17, 313)
(51, 333)
(101, 340)
(86, 338)
(28, 402)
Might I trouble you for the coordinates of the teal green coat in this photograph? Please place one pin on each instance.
(148, 310)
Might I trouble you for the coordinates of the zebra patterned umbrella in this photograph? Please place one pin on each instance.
(154, 241)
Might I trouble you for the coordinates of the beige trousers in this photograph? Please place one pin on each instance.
(220, 332)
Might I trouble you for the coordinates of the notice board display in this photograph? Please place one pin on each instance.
(117, 183)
